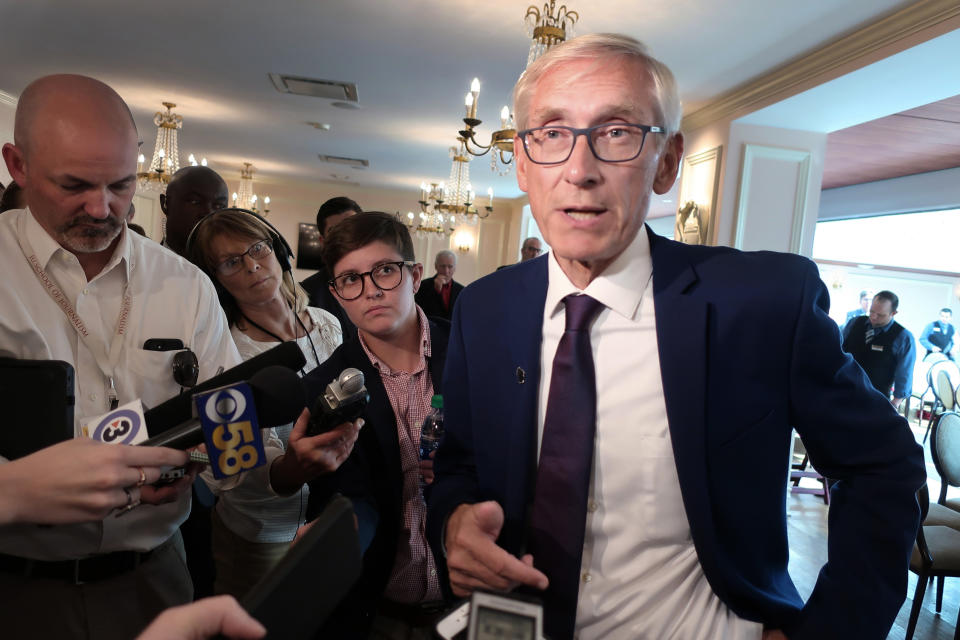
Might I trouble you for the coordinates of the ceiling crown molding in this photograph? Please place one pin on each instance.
(820, 64)
(6, 98)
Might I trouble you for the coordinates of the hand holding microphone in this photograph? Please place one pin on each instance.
(79, 480)
(322, 439)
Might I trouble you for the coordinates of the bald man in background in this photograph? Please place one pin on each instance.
(79, 287)
(192, 195)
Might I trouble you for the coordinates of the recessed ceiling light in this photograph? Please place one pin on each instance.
(321, 126)
(356, 163)
(345, 105)
(667, 201)
(315, 87)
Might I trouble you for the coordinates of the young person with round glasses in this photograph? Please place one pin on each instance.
(401, 354)
(256, 518)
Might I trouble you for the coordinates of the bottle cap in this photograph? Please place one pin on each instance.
(437, 401)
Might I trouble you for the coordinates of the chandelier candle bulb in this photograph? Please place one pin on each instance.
(468, 103)
(504, 117)
(475, 92)
(489, 196)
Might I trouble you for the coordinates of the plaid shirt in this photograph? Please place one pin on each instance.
(414, 575)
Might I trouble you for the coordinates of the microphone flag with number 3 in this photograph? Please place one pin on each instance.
(229, 420)
(123, 425)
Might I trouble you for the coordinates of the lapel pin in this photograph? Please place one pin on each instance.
(521, 375)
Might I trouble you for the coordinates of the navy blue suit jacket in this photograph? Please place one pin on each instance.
(747, 351)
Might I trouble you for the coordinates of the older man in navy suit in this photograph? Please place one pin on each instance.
(619, 412)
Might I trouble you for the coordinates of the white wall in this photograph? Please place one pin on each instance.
(6, 133)
(779, 198)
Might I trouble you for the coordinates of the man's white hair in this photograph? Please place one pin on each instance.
(603, 45)
(445, 253)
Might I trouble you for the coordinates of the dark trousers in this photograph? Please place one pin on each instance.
(116, 608)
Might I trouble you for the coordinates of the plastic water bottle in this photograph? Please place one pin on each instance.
(432, 430)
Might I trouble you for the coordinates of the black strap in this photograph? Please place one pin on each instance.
(279, 339)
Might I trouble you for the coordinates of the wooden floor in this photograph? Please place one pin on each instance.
(807, 529)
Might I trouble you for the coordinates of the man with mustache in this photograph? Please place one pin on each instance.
(79, 287)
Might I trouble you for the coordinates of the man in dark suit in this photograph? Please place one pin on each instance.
(438, 294)
(619, 412)
(330, 213)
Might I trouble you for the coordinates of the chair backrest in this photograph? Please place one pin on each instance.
(951, 368)
(944, 390)
(945, 449)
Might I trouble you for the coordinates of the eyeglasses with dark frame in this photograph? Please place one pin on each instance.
(616, 142)
(258, 251)
(385, 276)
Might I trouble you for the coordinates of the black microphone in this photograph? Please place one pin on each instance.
(179, 409)
(278, 398)
(343, 400)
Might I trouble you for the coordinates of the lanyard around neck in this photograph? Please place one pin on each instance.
(106, 360)
(279, 339)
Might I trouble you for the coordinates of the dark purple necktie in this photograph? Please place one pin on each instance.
(563, 475)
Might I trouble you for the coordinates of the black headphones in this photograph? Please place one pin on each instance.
(280, 246)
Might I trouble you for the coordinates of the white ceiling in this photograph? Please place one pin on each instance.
(412, 60)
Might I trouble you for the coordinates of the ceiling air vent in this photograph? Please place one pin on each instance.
(327, 89)
(356, 163)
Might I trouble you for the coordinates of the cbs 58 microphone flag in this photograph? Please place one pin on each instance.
(228, 417)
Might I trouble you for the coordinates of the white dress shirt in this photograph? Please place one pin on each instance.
(251, 509)
(640, 575)
(170, 299)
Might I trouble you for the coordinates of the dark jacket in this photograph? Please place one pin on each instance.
(742, 363)
(371, 477)
(432, 302)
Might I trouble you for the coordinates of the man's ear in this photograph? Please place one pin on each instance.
(668, 165)
(416, 276)
(16, 163)
(520, 158)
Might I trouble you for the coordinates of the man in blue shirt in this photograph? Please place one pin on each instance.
(937, 337)
(882, 347)
(862, 309)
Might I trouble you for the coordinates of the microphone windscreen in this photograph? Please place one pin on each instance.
(179, 409)
(278, 395)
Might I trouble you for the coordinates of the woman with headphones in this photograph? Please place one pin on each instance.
(249, 263)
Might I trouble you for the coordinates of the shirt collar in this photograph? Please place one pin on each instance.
(426, 350)
(46, 247)
(620, 287)
(883, 328)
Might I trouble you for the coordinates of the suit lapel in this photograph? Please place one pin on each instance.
(682, 324)
(523, 331)
(379, 413)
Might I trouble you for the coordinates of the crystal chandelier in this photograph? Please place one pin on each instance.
(456, 197)
(166, 152)
(244, 197)
(547, 27)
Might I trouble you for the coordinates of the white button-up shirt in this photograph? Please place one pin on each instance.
(640, 574)
(170, 299)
